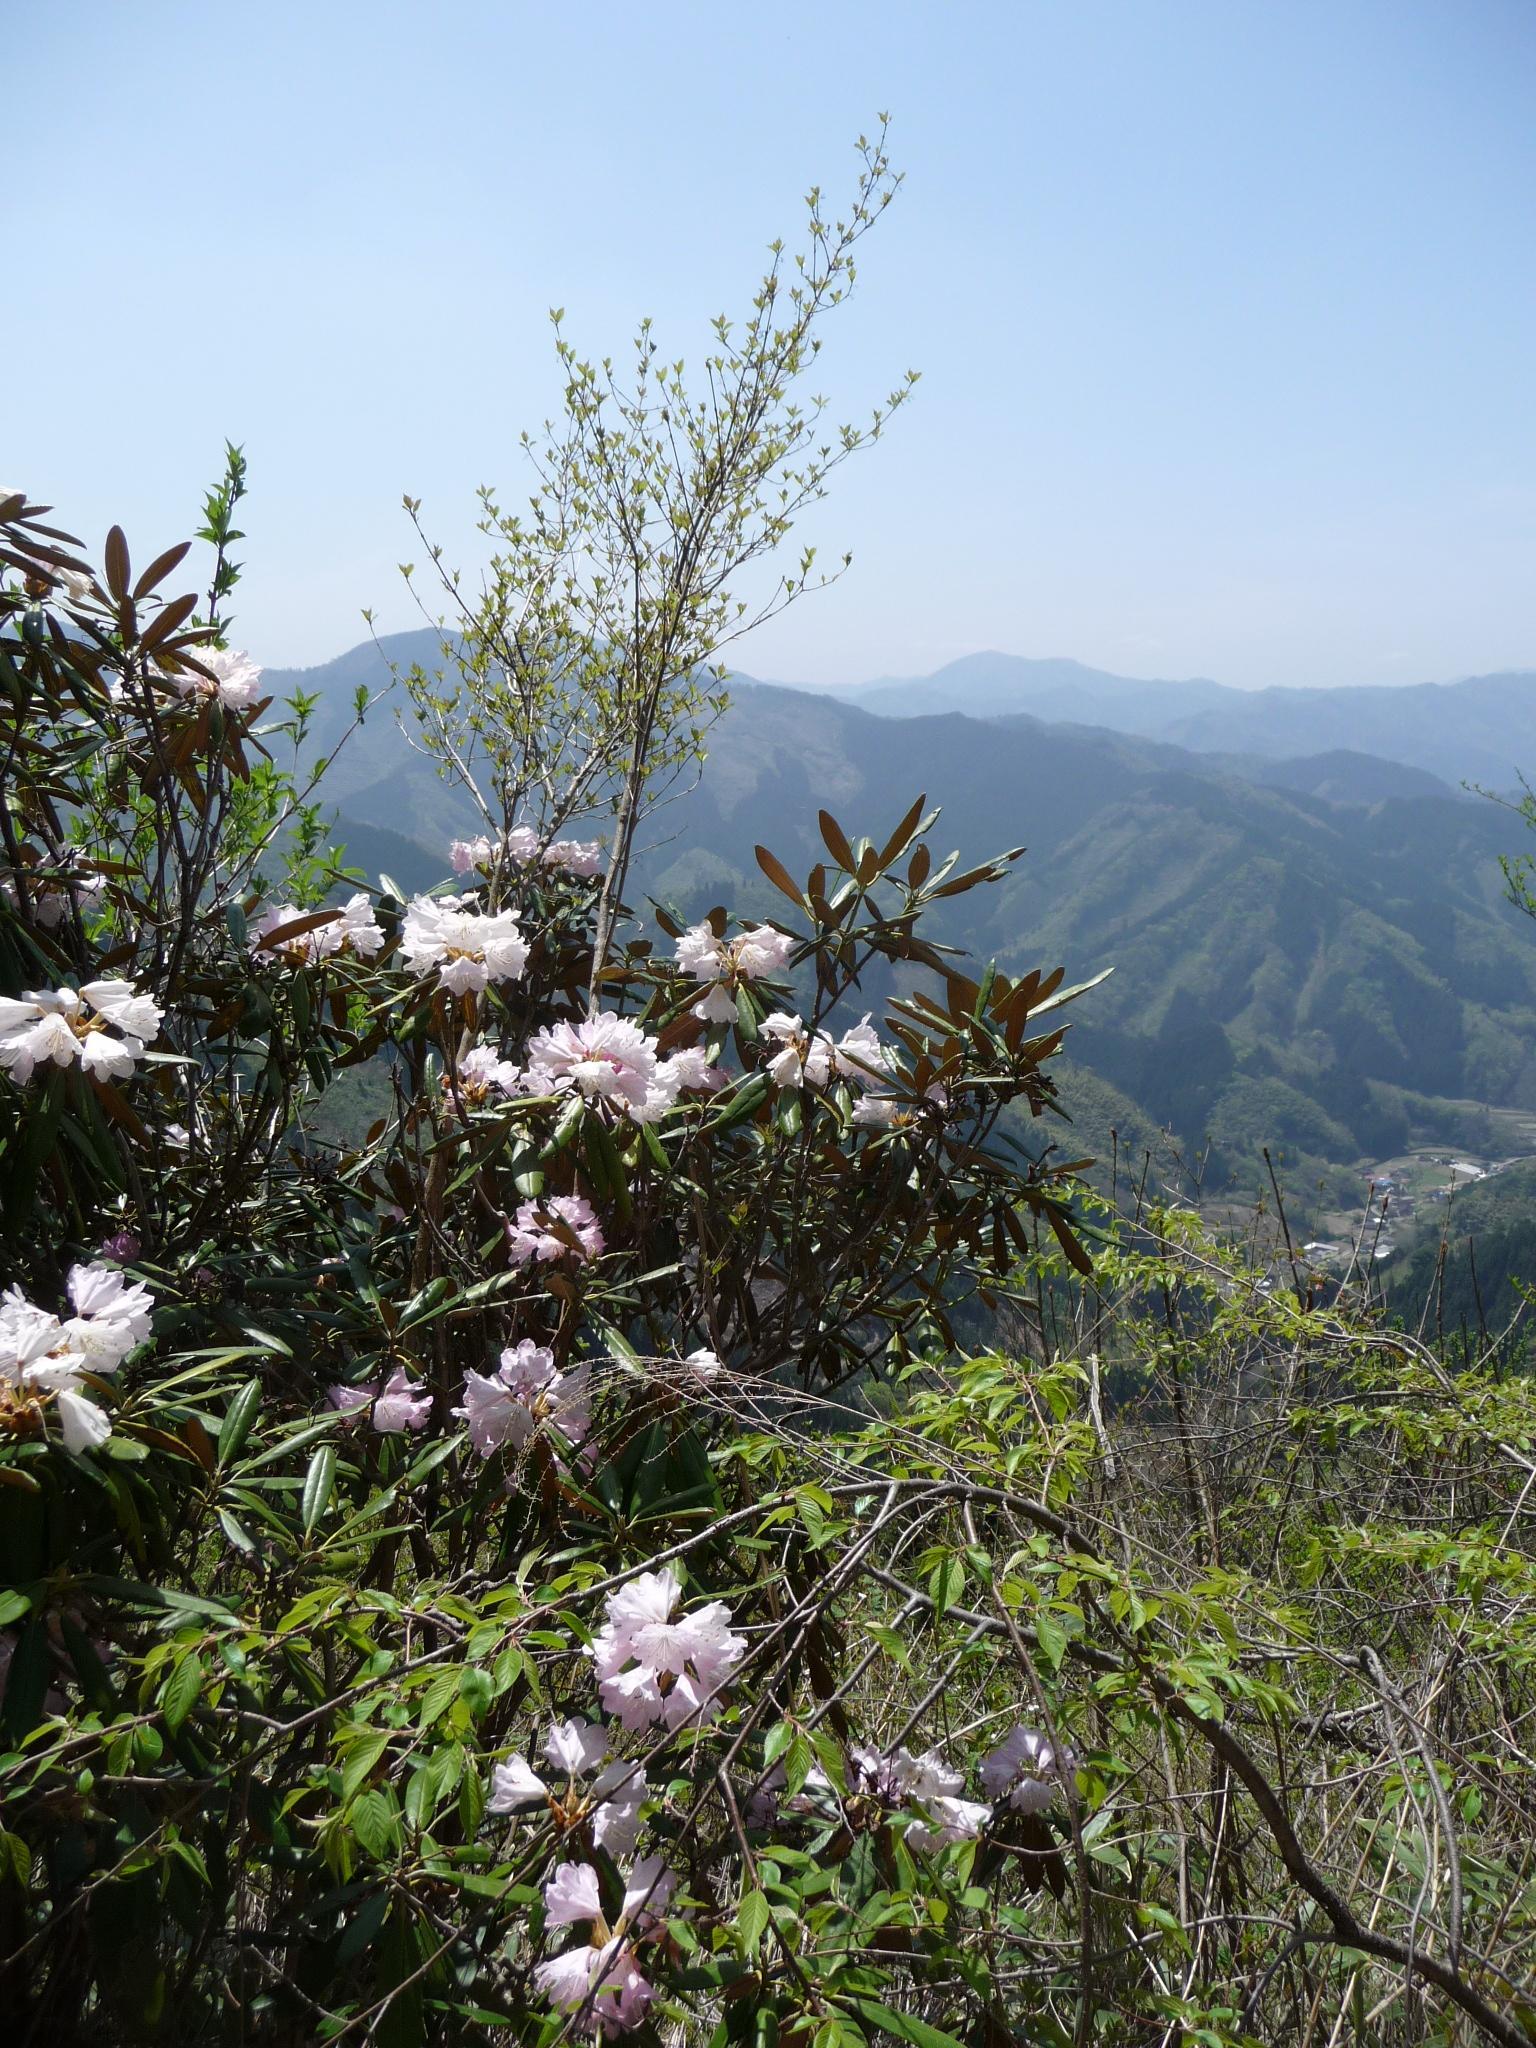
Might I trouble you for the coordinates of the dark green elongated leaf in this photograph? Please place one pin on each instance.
(946, 1582)
(318, 1481)
(238, 1418)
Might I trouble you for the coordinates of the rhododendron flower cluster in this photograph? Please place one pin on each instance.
(234, 680)
(469, 948)
(727, 963)
(1027, 1769)
(812, 1059)
(606, 1059)
(601, 1978)
(651, 1667)
(577, 1750)
(351, 929)
(580, 857)
(104, 1026)
(525, 1391)
(533, 1235)
(43, 1358)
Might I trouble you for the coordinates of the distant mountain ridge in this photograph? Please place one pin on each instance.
(1479, 729)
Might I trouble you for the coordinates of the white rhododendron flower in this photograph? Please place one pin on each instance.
(945, 1821)
(703, 1365)
(78, 585)
(236, 680)
(651, 1668)
(482, 1073)
(526, 1390)
(581, 857)
(64, 1026)
(469, 948)
(811, 1059)
(532, 1235)
(606, 1059)
(43, 1360)
(727, 963)
(1027, 1769)
(804, 1058)
(351, 929)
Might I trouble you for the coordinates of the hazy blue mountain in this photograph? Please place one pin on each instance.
(1481, 729)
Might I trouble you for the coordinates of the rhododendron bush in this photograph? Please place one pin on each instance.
(549, 1569)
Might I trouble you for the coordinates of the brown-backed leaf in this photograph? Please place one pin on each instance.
(778, 874)
(896, 845)
(160, 568)
(165, 621)
(835, 841)
(117, 563)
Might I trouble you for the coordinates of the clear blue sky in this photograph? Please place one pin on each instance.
(1225, 308)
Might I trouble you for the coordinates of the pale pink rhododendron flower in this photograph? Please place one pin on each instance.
(858, 1056)
(532, 1234)
(465, 854)
(690, 1068)
(104, 1027)
(606, 1059)
(235, 678)
(1026, 1768)
(601, 1978)
(651, 1667)
(399, 1405)
(926, 1788)
(703, 1365)
(351, 1402)
(469, 948)
(811, 1059)
(576, 1750)
(351, 929)
(525, 1391)
(727, 963)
